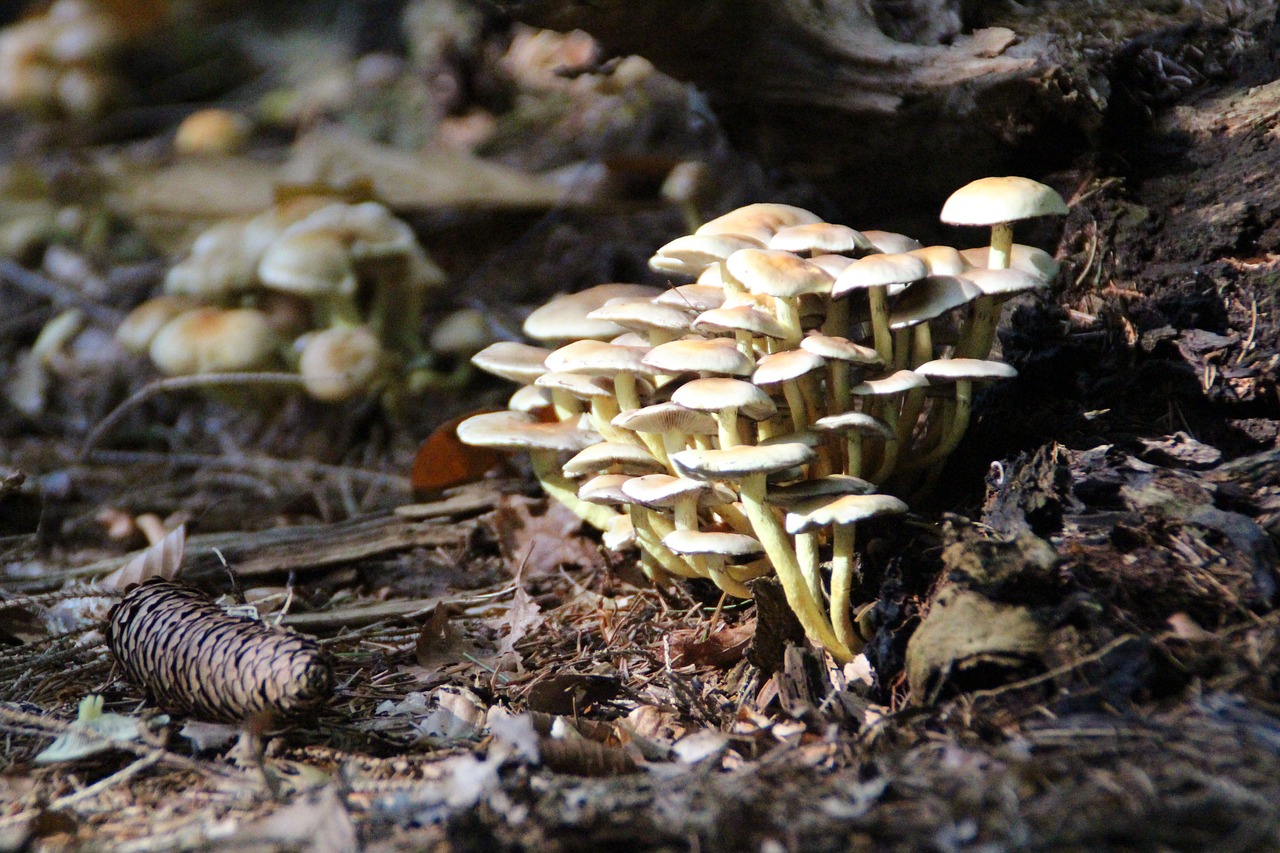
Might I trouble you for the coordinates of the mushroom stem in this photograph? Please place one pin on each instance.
(1001, 246)
(840, 385)
(807, 554)
(730, 434)
(546, 468)
(957, 423)
(650, 528)
(853, 453)
(978, 333)
(777, 546)
(722, 579)
(921, 351)
(889, 457)
(882, 337)
(796, 403)
(787, 311)
(837, 322)
(842, 571)
(624, 385)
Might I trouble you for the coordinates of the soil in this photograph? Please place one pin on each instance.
(505, 683)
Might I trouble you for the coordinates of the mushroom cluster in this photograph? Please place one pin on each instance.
(60, 62)
(745, 423)
(335, 290)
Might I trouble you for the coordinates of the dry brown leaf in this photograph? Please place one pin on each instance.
(161, 560)
(316, 823)
(722, 649)
(524, 615)
(541, 536)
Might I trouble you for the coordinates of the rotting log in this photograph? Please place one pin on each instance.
(886, 127)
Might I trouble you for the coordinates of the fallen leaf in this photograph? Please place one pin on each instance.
(315, 823)
(93, 731)
(542, 536)
(523, 616)
(572, 693)
(721, 649)
(443, 461)
(161, 560)
(440, 642)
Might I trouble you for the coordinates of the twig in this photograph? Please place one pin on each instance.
(182, 383)
(37, 285)
(255, 463)
(49, 726)
(101, 785)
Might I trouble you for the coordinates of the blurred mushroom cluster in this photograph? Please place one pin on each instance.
(332, 289)
(60, 62)
(745, 423)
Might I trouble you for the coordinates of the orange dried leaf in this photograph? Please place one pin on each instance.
(161, 560)
(443, 461)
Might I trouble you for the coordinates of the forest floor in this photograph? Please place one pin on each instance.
(505, 683)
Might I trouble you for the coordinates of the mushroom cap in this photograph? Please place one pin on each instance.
(211, 132)
(740, 318)
(631, 339)
(891, 242)
(1029, 259)
(879, 271)
(849, 509)
(840, 349)
(713, 395)
(662, 491)
(621, 533)
(992, 201)
(819, 237)
(976, 369)
(716, 355)
(514, 361)
(833, 264)
(931, 298)
(213, 340)
(1004, 283)
(693, 297)
(775, 273)
(522, 431)
(695, 543)
(847, 422)
(804, 491)
(894, 383)
(314, 262)
(666, 417)
(368, 229)
(564, 318)
(529, 398)
(220, 263)
(605, 489)
(759, 221)
(338, 363)
(942, 260)
(597, 358)
(462, 332)
(632, 458)
(141, 325)
(786, 365)
(576, 385)
(641, 315)
(738, 463)
(692, 253)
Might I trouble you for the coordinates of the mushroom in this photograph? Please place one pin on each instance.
(891, 242)
(595, 358)
(744, 322)
(338, 363)
(808, 543)
(1029, 259)
(513, 361)
(853, 426)
(758, 221)
(749, 467)
(996, 287)
(781, 275)
(211, 132)
(842, 355)
(876, 274)
(727, 400)
(213, 340)
(789, 368)
(816, 238)
(890, 387)
(658, 322)
(670, 420)
(693, 297)
(658, 562)
(942, 260)
(693, 254)
(719, 356)
(842, 514)
(521, 431)
(964, 372)
(314, 263)
(564, 318)
(141, 325)
(713, 549)
(568, 388)
(998, 203)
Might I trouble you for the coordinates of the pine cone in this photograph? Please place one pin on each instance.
(192, 657)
